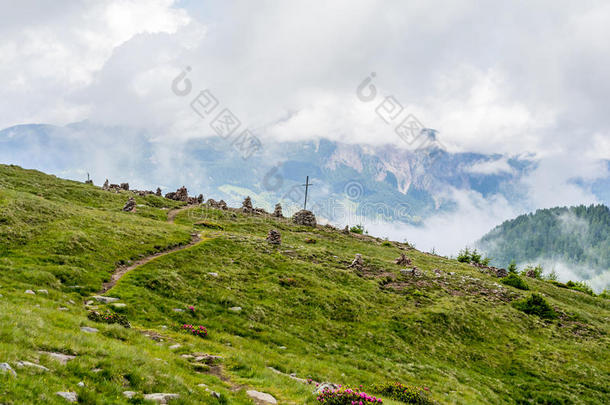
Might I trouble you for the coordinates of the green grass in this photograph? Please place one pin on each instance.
(457, 334)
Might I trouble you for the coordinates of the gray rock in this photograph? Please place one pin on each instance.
(161, 398)
(62, 309)
(358, 262)
(88, 329)
(30, 364)
(129, 394)
(30, 292)
(68, 396)
(213, 274)
(213, 393)
(43, 291)
(60, 357)
(261, 397)
(119, 305)
(6, 368)
(235, 309)
(177, 309)
(173, 347)
(81, 384)
(105, 300)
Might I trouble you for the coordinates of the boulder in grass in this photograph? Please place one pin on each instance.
(357, 263)
(6, 368)
(160, 397)
(68, 396)
(261, 397)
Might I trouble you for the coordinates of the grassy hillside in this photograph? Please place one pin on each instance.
(303, 310)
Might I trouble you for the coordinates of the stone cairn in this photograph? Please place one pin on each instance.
(200, 199)
(182, 195)
(403, 260)
(304, 217)
(106, 185)
(530, 273)
(277, 212)
(357, 263)
(246, 206)
(130, 205)
(124, 186)
(346, 230)
(274, 237)
(219, 205)
(158, 192)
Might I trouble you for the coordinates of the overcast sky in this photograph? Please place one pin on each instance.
(496, 77)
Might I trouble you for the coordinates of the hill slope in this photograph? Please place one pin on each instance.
(297, 308)
(577, 236)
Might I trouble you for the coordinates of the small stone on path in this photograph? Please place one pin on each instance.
(105, 300)
(88, 329)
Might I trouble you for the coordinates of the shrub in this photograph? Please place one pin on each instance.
(386, 243)
(605, 294)
(536, 305)
(514, 281)
(404, 393)
(533, 272)
(512, 267)
(464, 256)
(195, 330)
(359, 229)
(346, 396)
(468, 256)
(579, 286)
(109, 317)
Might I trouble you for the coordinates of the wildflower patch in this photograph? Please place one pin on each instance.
(346, 396)
(200, 331)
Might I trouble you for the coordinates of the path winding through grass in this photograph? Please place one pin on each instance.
(120, 271)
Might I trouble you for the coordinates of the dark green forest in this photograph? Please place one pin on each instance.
(575, 235)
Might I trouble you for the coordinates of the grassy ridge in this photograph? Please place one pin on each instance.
(303, 310)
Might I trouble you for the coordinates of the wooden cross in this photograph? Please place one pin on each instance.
(307, 184)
